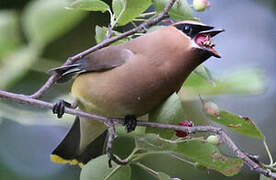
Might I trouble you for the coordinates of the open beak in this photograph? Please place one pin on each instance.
(203, 39)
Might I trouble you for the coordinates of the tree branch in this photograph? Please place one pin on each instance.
(224, 137)
(71, 60)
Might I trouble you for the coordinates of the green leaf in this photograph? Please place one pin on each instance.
(181, 9)
(126, 10)
(238, 124)
(262, 177)
(44, 21)
(16, 65)
(163, 176)
(139, 131)
(151, 142)
(171, 112)
(90, 5)
(98, 169)
(205, 154)
(208, 155)
(204, 72)
(246, 81)
(9, 32)
(123, 146)
(101, 33)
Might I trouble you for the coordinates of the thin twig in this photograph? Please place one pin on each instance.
(224, 137)
(109, 32)
(272, 163)
(112, 134)
(140, 28)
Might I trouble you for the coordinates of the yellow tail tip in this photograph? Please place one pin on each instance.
(73, 162)
(57, 159)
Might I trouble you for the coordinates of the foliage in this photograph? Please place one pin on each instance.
(45, 21)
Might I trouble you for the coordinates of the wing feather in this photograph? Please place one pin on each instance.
(101, 60)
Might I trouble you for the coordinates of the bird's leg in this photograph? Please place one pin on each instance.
(60, 106)
(130, 123)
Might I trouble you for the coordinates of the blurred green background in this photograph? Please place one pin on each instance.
(37, 35)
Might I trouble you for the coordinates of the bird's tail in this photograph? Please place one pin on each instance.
(68, 150)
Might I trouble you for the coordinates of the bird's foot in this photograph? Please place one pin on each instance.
(130, 123)
(143, 29)
(253, 157)
(59, 107)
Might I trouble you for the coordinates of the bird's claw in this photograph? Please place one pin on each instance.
(59, 107)
(130, 123)
(254, 157)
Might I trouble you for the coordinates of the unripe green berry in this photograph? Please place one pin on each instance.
(200, 5)
(213, 139)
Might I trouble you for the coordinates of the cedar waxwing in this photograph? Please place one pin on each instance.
(129, 80)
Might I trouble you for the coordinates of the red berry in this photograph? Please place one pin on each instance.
(184, 123)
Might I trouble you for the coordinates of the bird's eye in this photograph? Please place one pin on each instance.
(187, 29)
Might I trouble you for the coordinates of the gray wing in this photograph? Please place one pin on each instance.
(101, 60)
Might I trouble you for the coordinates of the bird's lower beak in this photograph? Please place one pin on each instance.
(203, 39)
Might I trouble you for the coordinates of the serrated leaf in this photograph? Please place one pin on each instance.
(163, 176)
(208, 155)
(45, 21)
(16, 65)
(246, 81)
(9, 32)
(98, 169)
(171, 112)
(238, 124)
(90, 5)
(181, 9)
(205, 154)
(126, 10)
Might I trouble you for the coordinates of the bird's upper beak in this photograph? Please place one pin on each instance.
(203, 40)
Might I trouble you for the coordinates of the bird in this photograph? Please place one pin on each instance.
(127, 81)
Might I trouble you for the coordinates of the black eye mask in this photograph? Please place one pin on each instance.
(192, 30)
